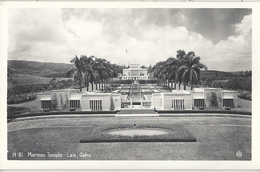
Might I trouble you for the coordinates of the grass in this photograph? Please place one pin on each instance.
(13, 112)
(16, 110)
(245, 105)
(217, 139)
(177, 134)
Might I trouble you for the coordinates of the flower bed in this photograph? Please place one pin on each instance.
(177, 134)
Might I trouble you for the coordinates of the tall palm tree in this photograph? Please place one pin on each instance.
(190, 69)
(184, 69)
(92, 67)
(101, 70)
(181, 57)
(78, 72)
(104, 70)
(170, 68)
(92, 70)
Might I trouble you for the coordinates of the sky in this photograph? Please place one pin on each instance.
(222, 38)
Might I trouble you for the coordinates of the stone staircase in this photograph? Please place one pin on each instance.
(137, 111)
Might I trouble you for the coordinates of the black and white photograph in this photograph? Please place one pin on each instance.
(132, 83)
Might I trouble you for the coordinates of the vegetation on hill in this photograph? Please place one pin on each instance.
(29, 79)
(43, 69)
(23, 88)
(239, 81)
(29, 72)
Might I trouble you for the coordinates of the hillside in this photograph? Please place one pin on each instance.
(29, 79)
(32, 79)
(43, 69)
(217, 73)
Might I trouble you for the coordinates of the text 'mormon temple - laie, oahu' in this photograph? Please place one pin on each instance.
(135, 95)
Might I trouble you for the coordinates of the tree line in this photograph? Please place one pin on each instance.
(182, 69)
(92, 70)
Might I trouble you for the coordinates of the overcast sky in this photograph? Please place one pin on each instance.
(221, 37)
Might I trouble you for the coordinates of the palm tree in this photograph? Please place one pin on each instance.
(78, 72)
(92, 70)
(185, 68)
(92, 67)
(181, 57)
(170, 68)
(190, 68)
(104, 70)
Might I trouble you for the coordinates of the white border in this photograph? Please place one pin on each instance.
(133, 165)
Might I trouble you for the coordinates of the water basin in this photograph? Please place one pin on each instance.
(139, 132)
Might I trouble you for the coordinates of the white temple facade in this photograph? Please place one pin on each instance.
(135, 72)
(199, 98)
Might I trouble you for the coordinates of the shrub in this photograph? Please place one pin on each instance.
(234, 84)
(20, 98)
(247, 95)
(213, 99)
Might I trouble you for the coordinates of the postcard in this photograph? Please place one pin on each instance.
(130, 85)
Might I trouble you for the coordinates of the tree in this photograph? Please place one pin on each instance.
(158, 71)
(93, 70)
(171, 67)
(190, 69)
(91, 66)
(234, 84)
(78, 72)
(143, 67)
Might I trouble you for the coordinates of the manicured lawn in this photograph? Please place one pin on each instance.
(245, 105)
(218, 138)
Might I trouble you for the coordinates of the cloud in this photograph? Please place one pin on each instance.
(236, 51)
(58, 34)
(37, 34)
(245, 26)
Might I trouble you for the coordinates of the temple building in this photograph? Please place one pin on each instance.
(135, 72)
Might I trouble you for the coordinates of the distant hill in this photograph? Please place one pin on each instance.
(218, 73)
(44, 69)
(32, 79)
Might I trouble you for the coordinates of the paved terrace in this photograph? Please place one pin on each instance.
(218, 138)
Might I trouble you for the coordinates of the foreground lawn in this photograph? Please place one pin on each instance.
(218, 138)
